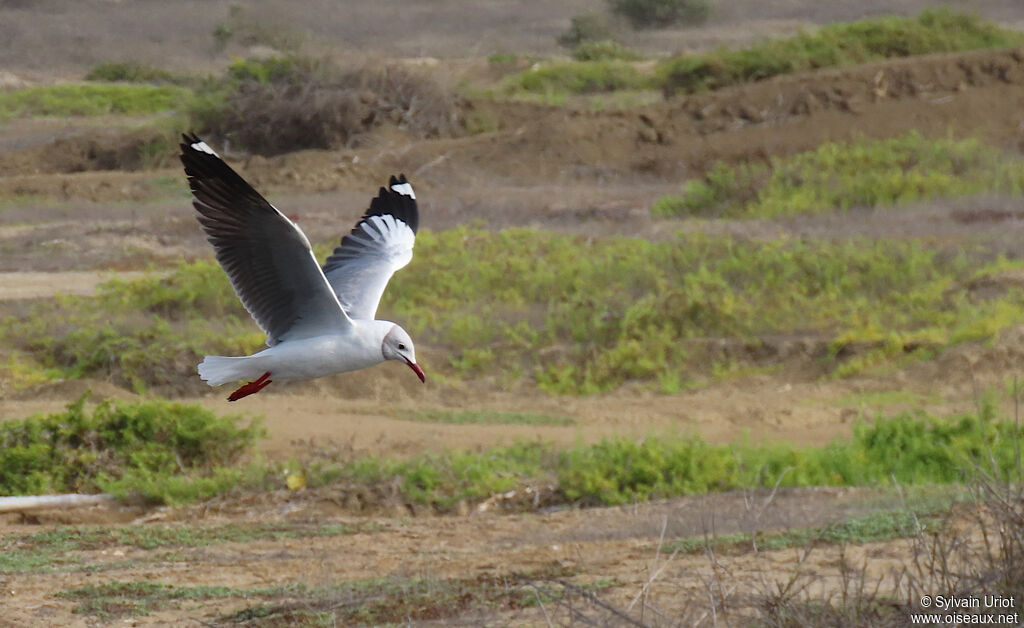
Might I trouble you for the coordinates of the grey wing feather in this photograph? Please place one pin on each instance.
(265, 255)
(380, 244)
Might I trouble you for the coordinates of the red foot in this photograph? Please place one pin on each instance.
(251, 388)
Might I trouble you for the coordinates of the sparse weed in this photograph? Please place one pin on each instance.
(877, 526)
(56, 550)
(484, 417)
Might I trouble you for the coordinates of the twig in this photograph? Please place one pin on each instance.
(43, 502)
(590, 597)
(547, 617)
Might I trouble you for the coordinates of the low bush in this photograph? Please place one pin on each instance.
(661, 13)
(604, 49)
(591, 27)
(835, 45)
(292, 103)
(163, 452)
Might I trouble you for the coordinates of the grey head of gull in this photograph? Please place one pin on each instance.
(319, 320)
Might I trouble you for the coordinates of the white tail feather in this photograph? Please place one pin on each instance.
(217, 369)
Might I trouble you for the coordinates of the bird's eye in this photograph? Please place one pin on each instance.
(401, 347)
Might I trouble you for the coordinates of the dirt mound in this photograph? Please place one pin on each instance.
(979, 93)
(91, 149)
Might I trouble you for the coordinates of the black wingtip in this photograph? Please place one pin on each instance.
(394, 203)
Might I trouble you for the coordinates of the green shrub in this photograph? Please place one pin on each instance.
(835, 45)
(603, 49)
(586, 28)
(866, 173)
(660, 13)
(164, 452)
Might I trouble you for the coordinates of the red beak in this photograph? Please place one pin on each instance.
(416, 369)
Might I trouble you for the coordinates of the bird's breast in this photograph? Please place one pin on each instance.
(320, 356)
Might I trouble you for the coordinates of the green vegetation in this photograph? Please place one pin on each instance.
(585, 315)
(631, 310)
(139, 334)
(163, 452)
(907, 449)
(142, 598)
(55, 550)
(880, 399)
(391, 601)
(168, 452)
(131, 72)
(91, 100)
(836, 45)
(577, 77)
(377, 601)
(865, 173)
(877, 526)
(661, 13)
(484, 417)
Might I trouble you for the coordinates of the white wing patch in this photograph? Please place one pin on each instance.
(374, 251)
(405, 189)
(203, 148)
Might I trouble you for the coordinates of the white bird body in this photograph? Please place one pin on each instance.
(319, 321)
(304, 358)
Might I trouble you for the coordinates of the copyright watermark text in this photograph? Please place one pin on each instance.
(956, 610)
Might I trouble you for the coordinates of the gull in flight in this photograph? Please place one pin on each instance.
(319, 320)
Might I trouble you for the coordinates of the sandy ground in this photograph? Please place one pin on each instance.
(616, 545)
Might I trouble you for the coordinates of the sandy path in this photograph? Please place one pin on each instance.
(30, 285)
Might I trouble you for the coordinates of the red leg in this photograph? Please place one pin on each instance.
(252, 387)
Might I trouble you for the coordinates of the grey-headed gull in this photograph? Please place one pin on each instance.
(318, 321)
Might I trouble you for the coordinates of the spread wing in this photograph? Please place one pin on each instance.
(265, 255)
(381, 243)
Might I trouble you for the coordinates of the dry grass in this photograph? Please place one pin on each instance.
(296, 103)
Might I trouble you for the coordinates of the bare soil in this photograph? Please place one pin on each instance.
(618, 546)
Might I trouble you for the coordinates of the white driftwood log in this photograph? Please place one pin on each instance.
(43, 502)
